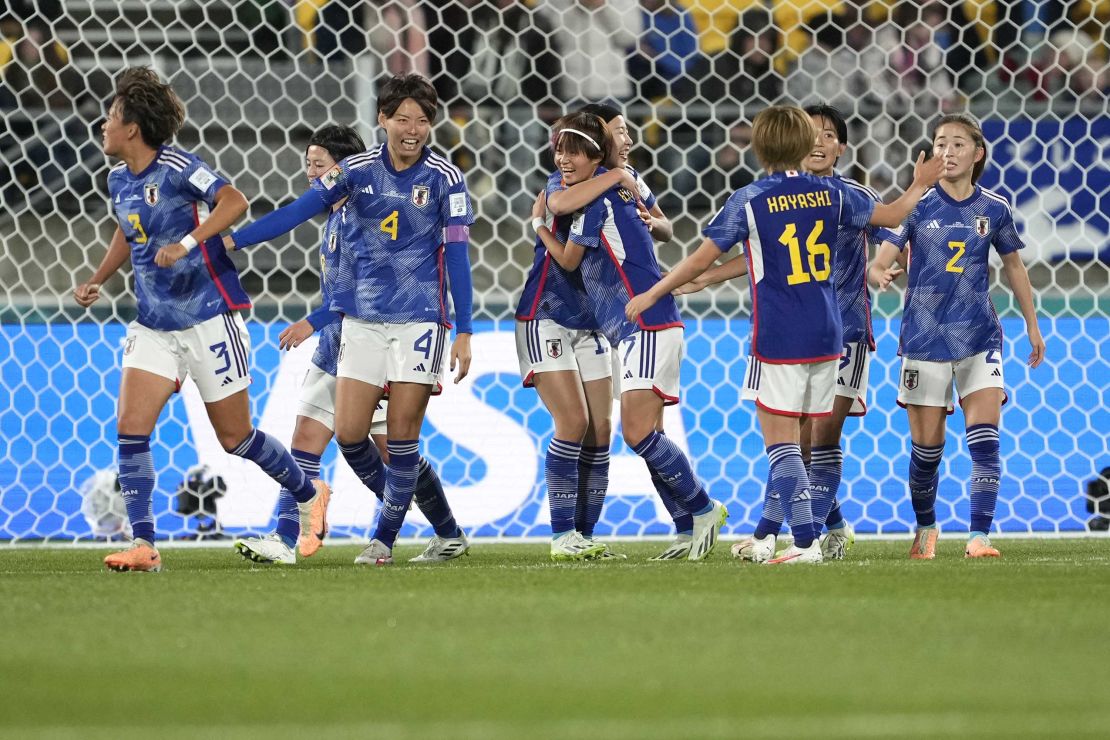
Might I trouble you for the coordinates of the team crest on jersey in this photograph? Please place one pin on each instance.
(330, 178)
(982, 225)
(150, 193)
(129, 346)
(333, 239)
(909, 379)
(554, 348)
(420, 195)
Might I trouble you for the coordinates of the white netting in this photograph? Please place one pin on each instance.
(257, 77)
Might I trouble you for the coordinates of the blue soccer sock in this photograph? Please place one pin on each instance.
(593, 483)
(835, 518)
(826, 466)
(136, 481)
(289, 519)
(924, 478)
(786, 476)
(401, 475)
(683, 520)
(271, 455)
(366, 461)
(675, 472)
(986, 470)
(560, 469)
(432, 502)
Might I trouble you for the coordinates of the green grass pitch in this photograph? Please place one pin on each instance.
(503, 644)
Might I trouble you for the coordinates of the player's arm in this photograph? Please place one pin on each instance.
(119, 251)
(884, 269)
(297, 332)
(734, 268)
(578, 196)
(281, 221)
(925, 176)
(568, 256)
(658, 224)
(686, 270)
(229, 205)
(1018, 278)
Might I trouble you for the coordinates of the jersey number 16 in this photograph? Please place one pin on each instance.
(814, 249)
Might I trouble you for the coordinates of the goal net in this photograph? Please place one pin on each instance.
(258, 77)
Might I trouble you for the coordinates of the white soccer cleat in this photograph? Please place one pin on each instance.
(679, 549)
(266, 549)
(837, 542)
(706, 528)
(573, 546)
(376, 553)
(607, 553)
(795, 555)
(442, 549)
(754, 549)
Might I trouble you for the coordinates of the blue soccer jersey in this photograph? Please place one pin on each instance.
(619, 263)
(394, 272)
(948, 313)
(158, 207)
(550, 292)
(850, 271)
(789, 223)
(338, 231)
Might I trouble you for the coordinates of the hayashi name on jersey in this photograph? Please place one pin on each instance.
(791, 201)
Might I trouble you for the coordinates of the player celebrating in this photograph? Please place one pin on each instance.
(611, 246)
(316, 413)
(825, 456)
(413, 215)
(171, 207)
(796, 327)
(950, 330)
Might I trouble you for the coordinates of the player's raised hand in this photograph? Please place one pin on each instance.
(882, 279)
(637, 306)
(1036, 341)
(643, 213)
(294, 334)
(168, 255)
(86, 294)
(460, 355)
(927, 173)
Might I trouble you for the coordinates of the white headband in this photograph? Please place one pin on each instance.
(580, 133)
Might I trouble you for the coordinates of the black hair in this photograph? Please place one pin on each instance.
(833, 116)
(339, 141)
(604, 111)
(152, 104)
(397, 89)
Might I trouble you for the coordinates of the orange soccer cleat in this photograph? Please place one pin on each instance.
(140, 556)
(924, 543)
(980, 546)
(314, 520)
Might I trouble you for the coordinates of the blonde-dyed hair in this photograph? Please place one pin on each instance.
(782, 136)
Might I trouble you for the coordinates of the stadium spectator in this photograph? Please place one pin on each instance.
(393, 31)
(667, 51)
(1071, 64)
(596, 37)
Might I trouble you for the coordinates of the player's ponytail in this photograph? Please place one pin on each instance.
(974, 130)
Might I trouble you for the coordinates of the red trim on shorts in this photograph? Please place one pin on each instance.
(667, 400)
(862, 403)
(779, 412)
(948, 411)
(527, 382)
(805, 361)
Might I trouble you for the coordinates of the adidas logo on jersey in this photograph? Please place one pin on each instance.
(419, 368)
(227, 380)
(934, 224)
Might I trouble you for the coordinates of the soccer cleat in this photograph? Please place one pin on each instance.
(266, 549)
(140, 556)
(755, 549)
(376, 553)
(573, 546)
(924, 543)
(795, 555)
(314, 520)
(837, 542)
(607, 553)
(706, 528)
(679, 549)
(442, 549)
(980, 546)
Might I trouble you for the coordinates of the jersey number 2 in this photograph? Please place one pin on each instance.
(814, 248)
(952, 266)
(389, 225)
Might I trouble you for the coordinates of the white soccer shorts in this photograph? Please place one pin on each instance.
(852, 372)
(215, 353)
(318, 401)
(791, 390)
(650, 360)
(543, 346)
(928, 383)
(377, 353)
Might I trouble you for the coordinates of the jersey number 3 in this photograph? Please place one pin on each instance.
(389, 225)
(140, 235)
(814, 249)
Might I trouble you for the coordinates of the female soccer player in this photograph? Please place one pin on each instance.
(610, 245)
(950, 331)
(564, 203)
(413, 215)
(171, 207)
(786, 222)
(316, 414)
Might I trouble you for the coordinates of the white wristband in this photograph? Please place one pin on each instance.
(188, 242)
(537, 222)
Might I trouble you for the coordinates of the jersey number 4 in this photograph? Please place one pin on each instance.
(389, 225)
(814, 249)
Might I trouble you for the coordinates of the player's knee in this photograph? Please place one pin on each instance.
(636, 432)
(571, 427)
(600, 433)
(231, 439)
